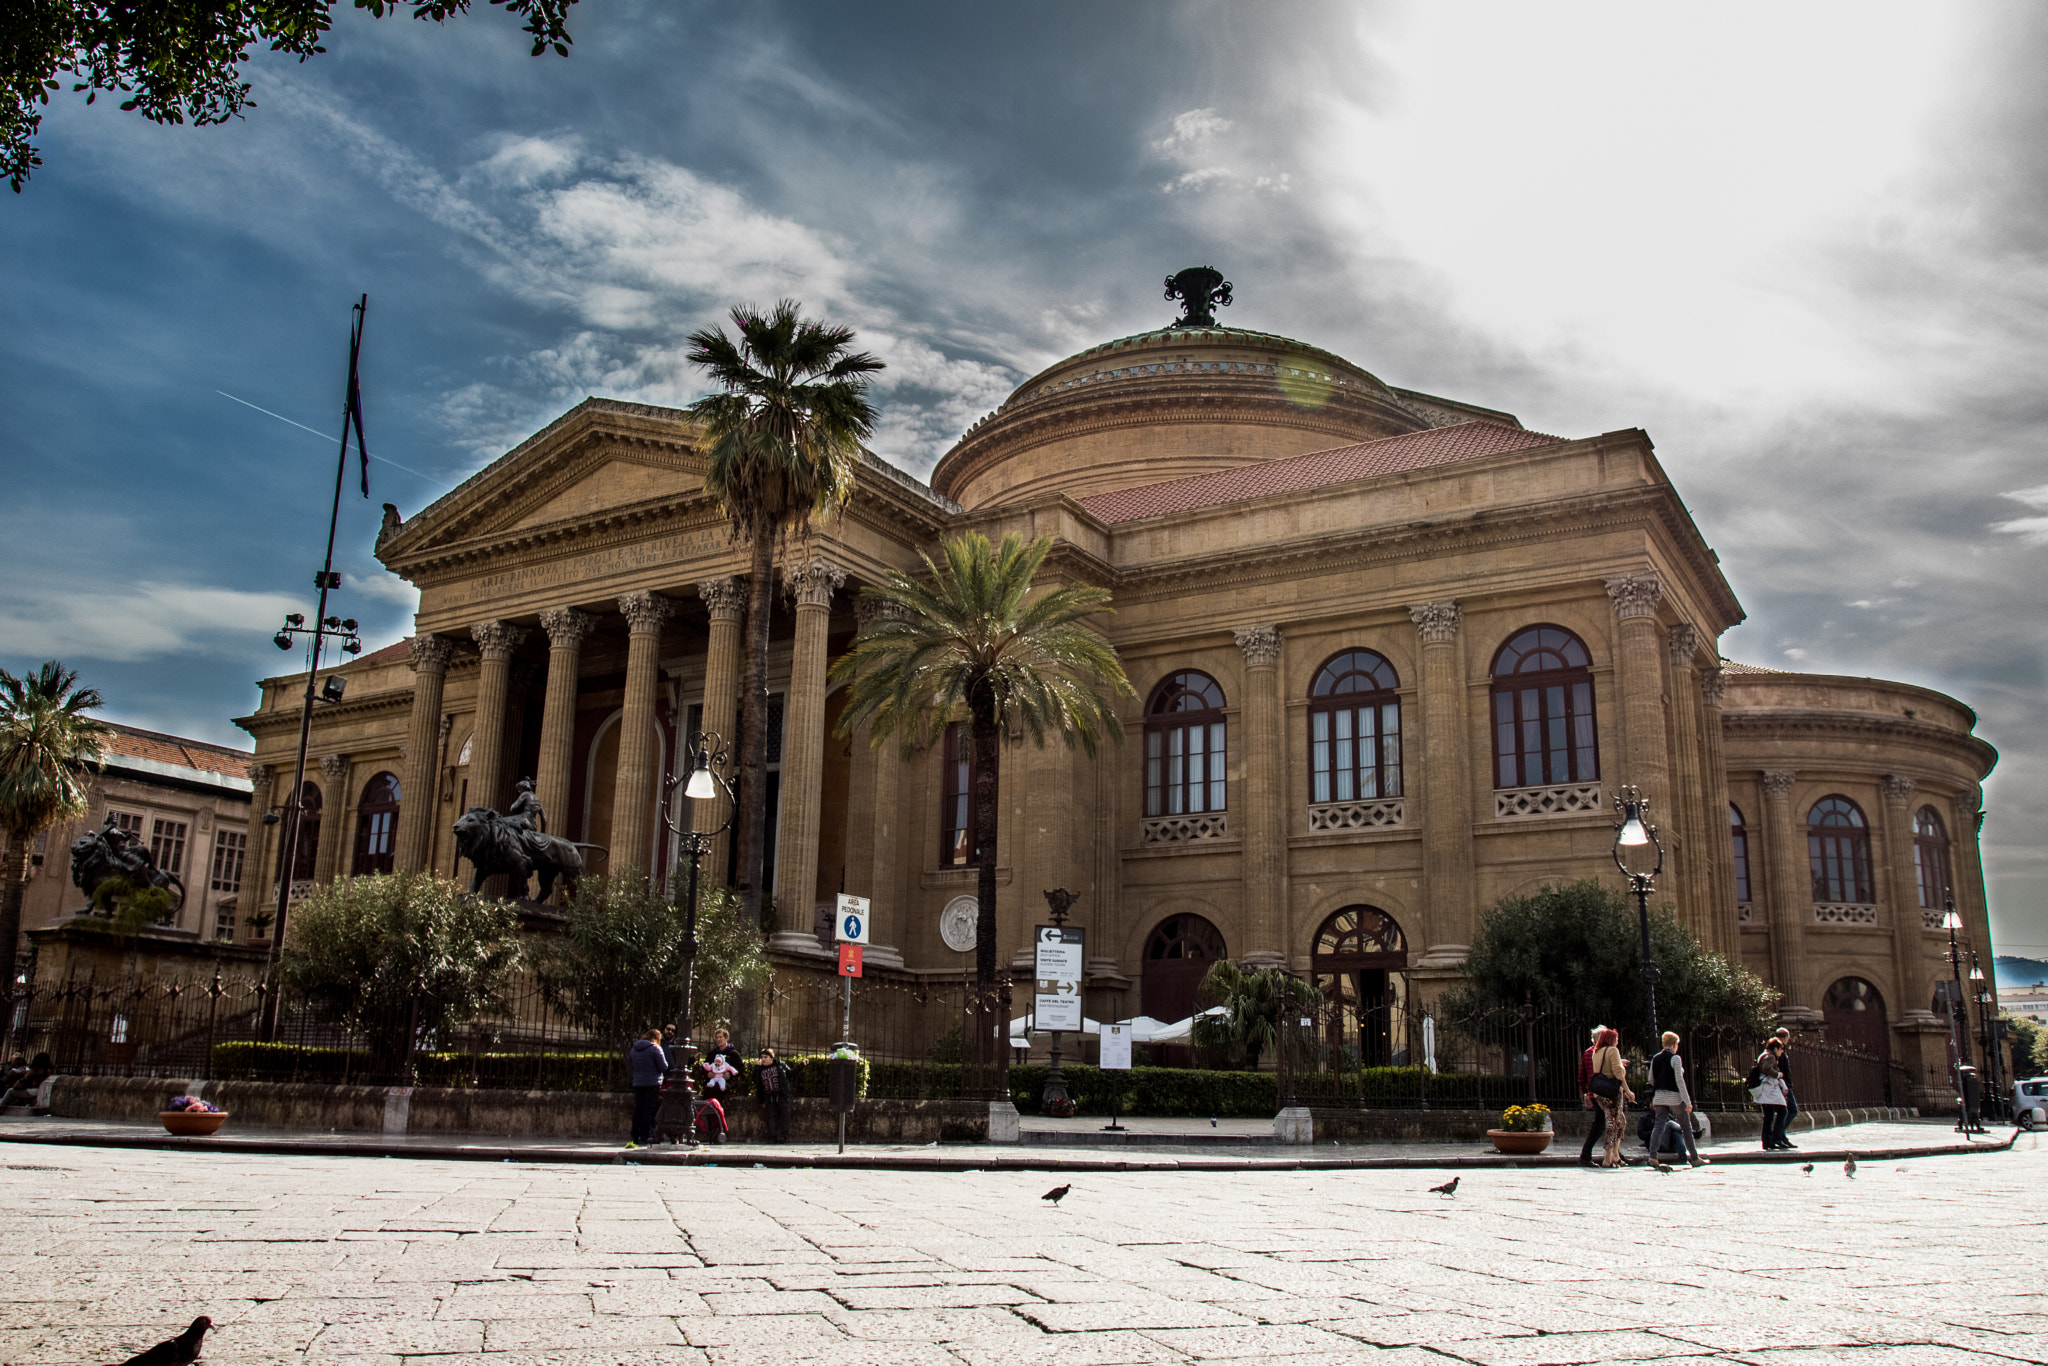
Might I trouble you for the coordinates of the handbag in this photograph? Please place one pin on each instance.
(1604, 1086)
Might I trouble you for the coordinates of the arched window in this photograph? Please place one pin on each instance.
(1354, 730)
(1543, 711)
(1178, 954)
(1838, 847)
(376, 822)
(1357, 960)
(1738, 835)
(1184, 746)
(956, 797)
(307, 850)
(1930, 858)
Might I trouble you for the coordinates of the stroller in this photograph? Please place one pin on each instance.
(671, 1126)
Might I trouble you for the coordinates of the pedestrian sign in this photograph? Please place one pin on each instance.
(850, 921)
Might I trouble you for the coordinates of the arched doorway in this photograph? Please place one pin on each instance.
(1854, 1014)
(1179, 954)
(1358, 961)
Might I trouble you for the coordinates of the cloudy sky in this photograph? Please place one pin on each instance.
(1803, 246)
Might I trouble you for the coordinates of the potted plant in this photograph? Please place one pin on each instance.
(1524, 1130)
(191, 1117)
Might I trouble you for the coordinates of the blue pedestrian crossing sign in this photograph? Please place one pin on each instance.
(850, 920)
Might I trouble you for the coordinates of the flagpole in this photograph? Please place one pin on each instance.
(326, 580)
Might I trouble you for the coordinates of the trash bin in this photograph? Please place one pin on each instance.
(842, 1083)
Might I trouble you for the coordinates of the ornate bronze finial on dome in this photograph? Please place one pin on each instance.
(1200, 289)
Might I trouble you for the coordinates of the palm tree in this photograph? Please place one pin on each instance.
(786, 429)
(1255, 999)
(47, 747)
(975, 636)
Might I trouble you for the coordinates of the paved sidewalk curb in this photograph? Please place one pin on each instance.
(960, 1159)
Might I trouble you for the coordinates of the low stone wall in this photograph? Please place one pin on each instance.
(500, 1114)
(1458, 1126)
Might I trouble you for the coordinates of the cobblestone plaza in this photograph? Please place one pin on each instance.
(1913, 1262)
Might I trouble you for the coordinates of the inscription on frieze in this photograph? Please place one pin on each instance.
(596, 565)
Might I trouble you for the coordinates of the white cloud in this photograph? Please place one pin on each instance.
(386, 588)
(144, 621)
(1193, 126)
(2030, 530)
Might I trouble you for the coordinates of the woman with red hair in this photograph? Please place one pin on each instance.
(1610, 1091)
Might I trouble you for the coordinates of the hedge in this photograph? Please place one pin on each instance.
(1152, 1091)
(580, 1071)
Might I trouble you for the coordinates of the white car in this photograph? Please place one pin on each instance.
(2030, 1102)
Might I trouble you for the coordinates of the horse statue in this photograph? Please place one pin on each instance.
(507, 844)
(111, 852)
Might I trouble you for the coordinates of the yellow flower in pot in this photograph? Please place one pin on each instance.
(1524, 1130)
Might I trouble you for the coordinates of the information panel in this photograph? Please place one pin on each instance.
(1062, 960)
(1116, 1047)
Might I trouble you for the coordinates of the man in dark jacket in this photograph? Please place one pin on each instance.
(771, 1084)
(649, 1063)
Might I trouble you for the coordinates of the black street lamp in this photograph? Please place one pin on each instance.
(702, 783)
(1632, 832)
(1958, 1026)
(1987, 1037)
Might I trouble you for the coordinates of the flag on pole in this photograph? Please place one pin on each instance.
(355, 394)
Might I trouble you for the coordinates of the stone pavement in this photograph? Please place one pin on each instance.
(1913, 1262)
(1167, 1144)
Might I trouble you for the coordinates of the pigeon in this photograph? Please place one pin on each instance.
(1449, 1187)
(1057, 1193)
(1849, 1167)
(181, 1350)
(1808, 1169)
(1212, 1121)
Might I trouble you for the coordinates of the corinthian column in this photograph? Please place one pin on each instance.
(1445, 805)
(259, 874)
(639, 758)
(1720, 847)
(430, 656)
(1790, 894)
(495, 641)
(1695, 883)
(876, 820)
(334, 805)
(1636, 598)
(1902, 890)
(726, 600)
(811, 585)
(566, 628)
(1265, 837)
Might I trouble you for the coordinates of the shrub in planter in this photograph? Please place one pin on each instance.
(1152, 1091)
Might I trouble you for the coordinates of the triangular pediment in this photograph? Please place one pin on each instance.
(599, 458)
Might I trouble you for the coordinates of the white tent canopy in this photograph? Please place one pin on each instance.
(1144, 1029)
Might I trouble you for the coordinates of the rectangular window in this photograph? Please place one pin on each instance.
(1544, 735)
(224, 922)
(1155, 786)
(1355, 753)
(1741, 838)
(127, 822)
(228, 848)
(1930, 862)
(167, 845)
(956, 797)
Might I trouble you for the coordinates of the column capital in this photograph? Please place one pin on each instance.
(1636, 595)
(867, 611)
(1713, 686)
(334, 767)
(1683, 640)
(429, 654)
(259, 777)
(566, 627)
(1261, 645)
(813, 582)
(1436, 622)
(726, 598)
(1898, 789)
(1778, 782)
(497, 639)
(645, 613)
(1968, 806)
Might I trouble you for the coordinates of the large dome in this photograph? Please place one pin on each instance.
(1163, 405)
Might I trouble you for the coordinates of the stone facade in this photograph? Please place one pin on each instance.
(1262, 512)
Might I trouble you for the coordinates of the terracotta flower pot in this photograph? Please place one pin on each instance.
(192, 1123)
(1519, 1144)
